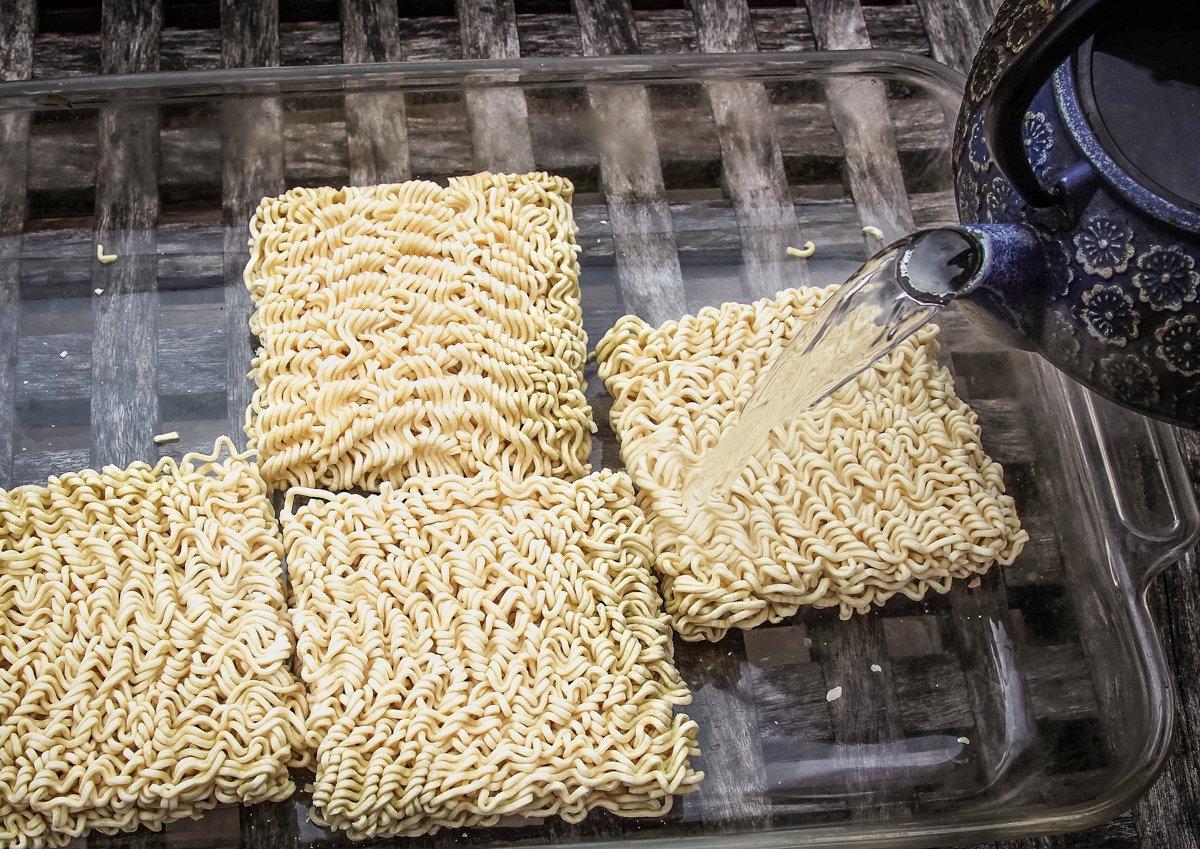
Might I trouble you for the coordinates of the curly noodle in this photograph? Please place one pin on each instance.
(480, 647)
(883, 488)
(414, 329)
(145, 652)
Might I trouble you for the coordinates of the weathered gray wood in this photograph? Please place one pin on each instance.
(955, 28)
(499, 116)
(376, 139)
(652, 287)
(45, 373)
(733, 794)
(17, 24)
(932, 693)
(860, 113)
(18, 21)
(129, 36)
(431, 38)
(56, 55)
(666, 31)
(1006, 691)
(705, 231)
(895, 27)
(271, 825)
(997, 684)
(751, 162)
(124, 358)
(249, 34)
(865, 713)
(630, 170)
(137, 840)
(253, 168)
(310, 43)
(189, 49)
(9, 306)
(1167, 815)
(606, 27)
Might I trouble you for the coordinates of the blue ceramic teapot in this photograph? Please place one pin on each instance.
(1077, 175)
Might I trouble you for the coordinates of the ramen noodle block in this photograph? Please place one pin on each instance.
(882, 488)
(414, 329)
(474, 648)
(144, 649)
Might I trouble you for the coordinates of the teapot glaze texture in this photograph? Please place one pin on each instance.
(1066, 152)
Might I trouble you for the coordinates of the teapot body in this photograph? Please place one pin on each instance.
(1116, 301)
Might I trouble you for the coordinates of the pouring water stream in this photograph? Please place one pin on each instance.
(889, 298)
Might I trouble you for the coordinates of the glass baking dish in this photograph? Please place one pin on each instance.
(1037, 701)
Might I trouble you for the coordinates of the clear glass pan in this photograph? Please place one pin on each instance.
(1036, 702)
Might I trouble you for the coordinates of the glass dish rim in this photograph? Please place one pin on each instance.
(96, 90)
(631, 68)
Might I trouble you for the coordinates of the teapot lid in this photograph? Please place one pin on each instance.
(1138, 84)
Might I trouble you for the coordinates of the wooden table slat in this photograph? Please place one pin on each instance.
(18, 20)
(631, 172)
(860, 113)
(751, 161)
(955, 29)
(124, 403)
(499, 116)
(376, 136)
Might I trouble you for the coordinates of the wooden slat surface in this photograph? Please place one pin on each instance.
(124, 411)
(860, 112)
(631, 172)
(376, 135)
(252, 168)
(751, 161)
(939, 689)
(955, 29)
(17, 22)
(499, 116)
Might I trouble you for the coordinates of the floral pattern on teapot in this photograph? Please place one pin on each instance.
(1122, 312)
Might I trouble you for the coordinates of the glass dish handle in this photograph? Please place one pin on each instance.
(1151, 516)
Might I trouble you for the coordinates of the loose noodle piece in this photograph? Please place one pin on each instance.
(480, 647)
(144, 649)
(883, 488)
(414, 329)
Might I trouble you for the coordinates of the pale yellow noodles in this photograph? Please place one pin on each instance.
(144, 649)
(479, 647)
(414, 329)
(882, 489)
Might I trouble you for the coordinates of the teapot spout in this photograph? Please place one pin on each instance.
(997, 275)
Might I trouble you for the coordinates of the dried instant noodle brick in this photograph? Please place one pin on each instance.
(145, 651)
(418, 329)
(480, 647)
(883, 488)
